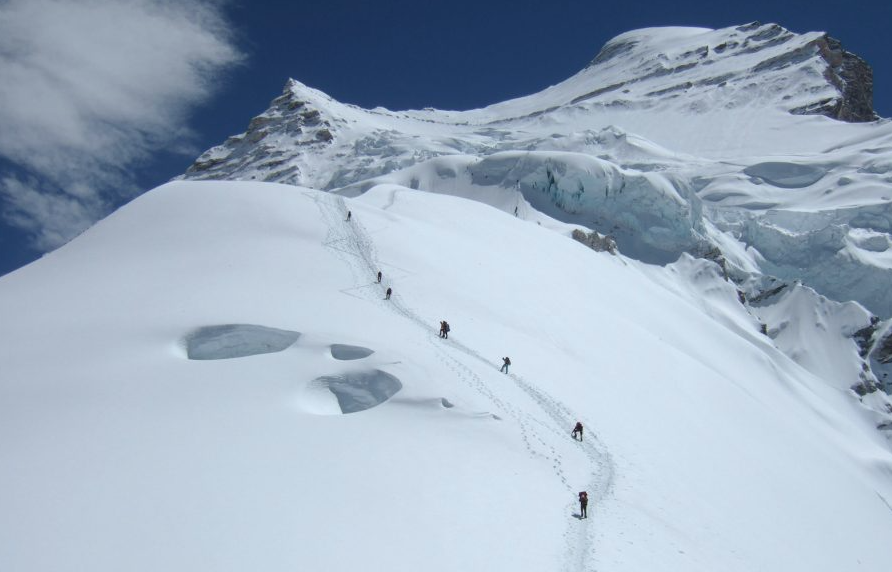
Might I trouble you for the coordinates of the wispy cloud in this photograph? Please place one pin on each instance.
(91, 88)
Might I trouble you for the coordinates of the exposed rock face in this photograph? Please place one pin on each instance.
(884, 350)
(290, 123)
(881, 360)
(864, 387)
(864, 337)
(595, 241)
(853, 77)
(764, 291)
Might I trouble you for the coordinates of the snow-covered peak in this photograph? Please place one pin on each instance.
(672, 141)
(656, 36)
(682, 88)
(764, 65)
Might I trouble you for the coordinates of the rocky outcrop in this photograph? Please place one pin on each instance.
(865, 386)
(881, 359)
(852, 77)
(884, 350)
(864, 337)
(714, 254)
(265, 151)
(595, 241)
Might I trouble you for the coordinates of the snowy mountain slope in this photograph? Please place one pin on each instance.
(706, 447)
(672, 141)
(684, 88)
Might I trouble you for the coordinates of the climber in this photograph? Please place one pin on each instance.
(379, 277)
(388, 293)
(507, 362)
(583, 504)
(577, 430)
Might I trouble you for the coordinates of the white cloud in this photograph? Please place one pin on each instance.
(50, 216)
(91, 87)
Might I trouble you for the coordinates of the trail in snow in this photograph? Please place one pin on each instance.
(541, 438)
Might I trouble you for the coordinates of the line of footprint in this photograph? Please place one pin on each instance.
(354, 246)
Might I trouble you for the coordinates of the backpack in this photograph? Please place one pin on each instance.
(507, 361)
(583, 496)
(446, 326)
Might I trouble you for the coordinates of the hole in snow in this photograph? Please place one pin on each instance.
(786, 175)
(236, 340)
(358, 391)
(345, 352)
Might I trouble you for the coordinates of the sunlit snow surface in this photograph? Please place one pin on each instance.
(673, 140)
(370, 443)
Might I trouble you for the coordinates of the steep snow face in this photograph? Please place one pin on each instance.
(801, 73)
(685, 88)
(800, 321)
(672, 141)
(326, 422)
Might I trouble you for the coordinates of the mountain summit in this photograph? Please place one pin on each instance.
(802, 73)
(745, 72)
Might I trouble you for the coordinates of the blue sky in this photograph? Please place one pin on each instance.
(105, 99)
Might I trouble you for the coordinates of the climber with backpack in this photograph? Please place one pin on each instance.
(506, 362)
(577, 430)
(583, 504)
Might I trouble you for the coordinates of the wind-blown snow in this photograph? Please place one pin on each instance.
(706, 447)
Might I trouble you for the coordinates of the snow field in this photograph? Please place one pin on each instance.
(705, 448)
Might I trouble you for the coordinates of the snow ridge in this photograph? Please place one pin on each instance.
(351, 240)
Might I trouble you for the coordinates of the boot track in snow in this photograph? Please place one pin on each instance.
(353, 245)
